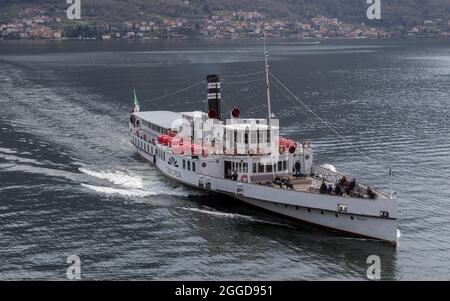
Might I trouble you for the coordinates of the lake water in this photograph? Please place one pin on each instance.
(71, 183)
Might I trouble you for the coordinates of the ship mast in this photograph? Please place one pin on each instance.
(266, 56)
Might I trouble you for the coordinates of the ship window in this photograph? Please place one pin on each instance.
(188, 165)
(253, 138)
(284, 165)
(254, 170)
(184, 164)
(336, 215)
(280, 166)
(193, 166)
(309, 209)
(269, 168)
(352, 218)
(245, 167)
(296, 207)
(261, 137)
(260, 167)
(238, 137)
(321, 212)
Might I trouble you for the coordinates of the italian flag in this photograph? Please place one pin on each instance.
(137, 103)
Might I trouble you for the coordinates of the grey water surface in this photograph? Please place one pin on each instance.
(71, 183)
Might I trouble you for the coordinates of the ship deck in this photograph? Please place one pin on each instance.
(311, 184)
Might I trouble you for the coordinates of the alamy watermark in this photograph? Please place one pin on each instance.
(74, 270)
(374, 270)
(74, 10)
(374, 10)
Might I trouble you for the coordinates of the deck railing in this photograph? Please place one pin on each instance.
(335, 177)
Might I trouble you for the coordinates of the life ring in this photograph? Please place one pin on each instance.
(145, 137)
(244, 178)
(292, 149)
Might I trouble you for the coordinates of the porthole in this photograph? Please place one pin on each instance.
(336, 215)
(204, 164)
(321, 212)
(352, 218)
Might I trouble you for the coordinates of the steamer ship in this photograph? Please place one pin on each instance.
(246, 159)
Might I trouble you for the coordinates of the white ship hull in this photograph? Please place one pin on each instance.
(361, 217)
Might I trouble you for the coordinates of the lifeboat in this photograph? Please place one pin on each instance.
(177, 149)
(287, 144)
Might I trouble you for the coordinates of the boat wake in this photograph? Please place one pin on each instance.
(236, 216)
(329, 166)
(130, 185)
(115, 177)
(129, 192)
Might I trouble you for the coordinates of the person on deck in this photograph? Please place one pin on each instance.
(350, 186)
(343, 181)
(234, 176)
(330, 189)
(338, 190)
(370, 193)
(323, 188)
(298, 168)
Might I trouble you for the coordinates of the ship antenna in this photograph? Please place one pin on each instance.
(266, 56)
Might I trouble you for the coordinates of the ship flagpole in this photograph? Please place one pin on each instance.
(390, 182)
(266, 56)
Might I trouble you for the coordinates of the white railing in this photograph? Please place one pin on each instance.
(335, 177)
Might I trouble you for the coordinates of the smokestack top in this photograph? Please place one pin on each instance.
(213, 78)
(213, 96)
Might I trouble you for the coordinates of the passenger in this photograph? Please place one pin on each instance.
(330, 189)
(370, 193)
(343, 181)
(338, 190)
(352, 184)
(323, 188)
(298, 168)
(278, 181)
(289, 184)
(234, 176)
(283, 182)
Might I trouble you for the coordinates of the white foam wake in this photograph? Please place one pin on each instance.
(329, 166)
(220, 214)
(131, 185)
(236, 216)
(133, 192)
(115, 177)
